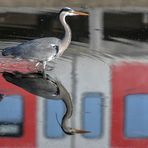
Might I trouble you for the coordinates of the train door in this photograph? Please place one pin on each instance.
(129, 105)
(92, 104)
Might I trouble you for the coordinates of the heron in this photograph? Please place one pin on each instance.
(47, 48)
(49, 88)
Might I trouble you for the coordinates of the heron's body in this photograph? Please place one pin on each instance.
(44, 49)
(34, 83)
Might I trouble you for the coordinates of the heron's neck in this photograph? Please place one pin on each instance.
(69, 107)
(67, 38)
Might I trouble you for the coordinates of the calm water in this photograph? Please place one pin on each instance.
(88, 69)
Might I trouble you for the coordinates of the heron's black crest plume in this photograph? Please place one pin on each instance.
(66, 9)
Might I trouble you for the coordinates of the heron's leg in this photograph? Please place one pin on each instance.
(44, 67)
(37, 64)
(44, 64)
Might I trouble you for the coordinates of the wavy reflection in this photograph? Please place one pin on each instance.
(49, 88)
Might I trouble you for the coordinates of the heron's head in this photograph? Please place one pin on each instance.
(70, 12)
(73, 131)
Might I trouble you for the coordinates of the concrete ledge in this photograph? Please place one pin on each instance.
(72, 3)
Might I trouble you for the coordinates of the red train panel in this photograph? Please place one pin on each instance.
(127, 79)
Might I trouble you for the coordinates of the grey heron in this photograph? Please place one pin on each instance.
(47, 48)
(37, 84)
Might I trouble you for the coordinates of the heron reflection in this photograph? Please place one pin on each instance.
(37, 84)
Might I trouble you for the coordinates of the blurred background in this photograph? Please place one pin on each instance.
(104, 69)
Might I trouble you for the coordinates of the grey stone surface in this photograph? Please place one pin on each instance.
(73, 3)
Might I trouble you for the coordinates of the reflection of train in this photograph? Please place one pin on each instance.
(17, 117)
(109, 99)
(30, 121)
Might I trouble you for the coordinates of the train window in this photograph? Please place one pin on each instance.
(92, 115)
(136, 116)
(54, 112)
(11, 116)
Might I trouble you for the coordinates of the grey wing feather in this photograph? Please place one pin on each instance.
(40, 49)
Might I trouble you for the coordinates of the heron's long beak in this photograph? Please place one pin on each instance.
(80, 13)
(81, 131)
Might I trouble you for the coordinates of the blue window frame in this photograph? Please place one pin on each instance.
(54, 111)
(92, 115)
(136, 116)
(11, 116)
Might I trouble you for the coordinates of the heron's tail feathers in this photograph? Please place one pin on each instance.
(7, 51)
